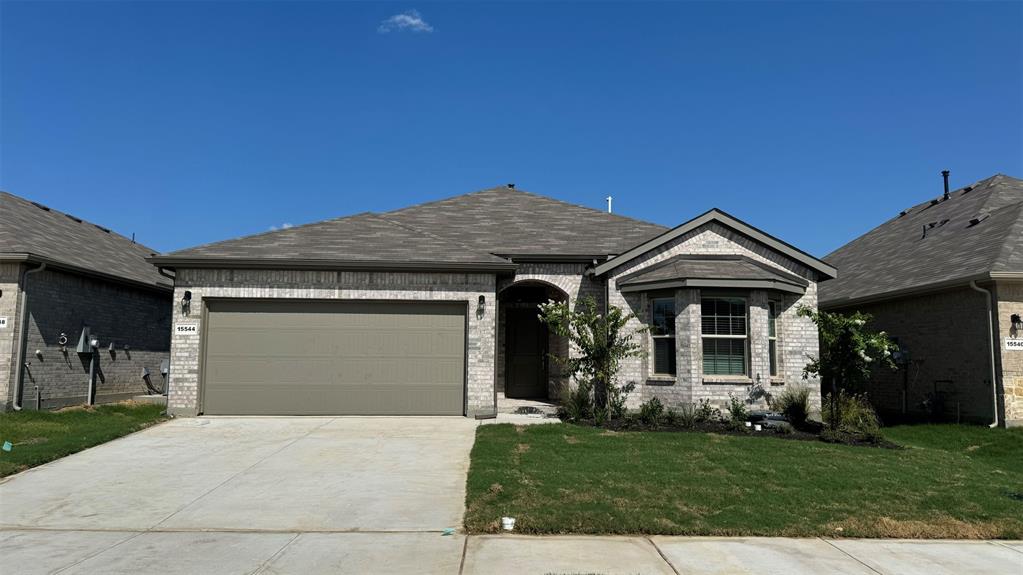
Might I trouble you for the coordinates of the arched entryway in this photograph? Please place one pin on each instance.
(525, 343)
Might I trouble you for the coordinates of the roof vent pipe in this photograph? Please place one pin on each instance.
(944, 174)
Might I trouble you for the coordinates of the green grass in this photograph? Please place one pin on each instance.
(950, 481)
(41, 436)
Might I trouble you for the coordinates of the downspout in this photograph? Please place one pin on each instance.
(22, 336)
(993, 342)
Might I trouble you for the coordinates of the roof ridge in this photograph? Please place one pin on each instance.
(601, 212)
(381, 217)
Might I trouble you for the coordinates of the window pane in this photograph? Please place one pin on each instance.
(664, 355)
(663, 316)
(723, 316)
(724, 356)
(772, 318)
(772, 349)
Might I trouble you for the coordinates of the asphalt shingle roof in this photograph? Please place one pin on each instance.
(30, 229)
(362, 238)
(710, 267)
(474, 228)
(934, 244)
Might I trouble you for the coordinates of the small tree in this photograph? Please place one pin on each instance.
(848, 352)
(602, 341)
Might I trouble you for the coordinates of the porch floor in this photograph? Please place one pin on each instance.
(539, 407)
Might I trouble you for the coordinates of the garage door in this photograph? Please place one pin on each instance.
(334, 358)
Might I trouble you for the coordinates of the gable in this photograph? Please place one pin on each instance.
(727, 235)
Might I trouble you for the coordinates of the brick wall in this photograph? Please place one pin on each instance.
(62, 302)
(946, 334)
(10, 297)
(344, 285)
(797, 337)
(1010, 362)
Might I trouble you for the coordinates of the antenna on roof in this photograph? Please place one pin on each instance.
(609, 198)
(944, 174)
(133, 237)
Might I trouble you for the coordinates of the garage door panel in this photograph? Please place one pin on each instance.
(312, 357)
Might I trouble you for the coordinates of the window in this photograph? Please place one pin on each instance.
(723, 325)
(662, 328)
(772, 335)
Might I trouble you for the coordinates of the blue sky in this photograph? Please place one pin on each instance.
(190, 122)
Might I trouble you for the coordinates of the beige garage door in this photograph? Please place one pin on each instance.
(334, 358)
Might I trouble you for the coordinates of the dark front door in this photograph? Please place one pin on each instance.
(526, 359)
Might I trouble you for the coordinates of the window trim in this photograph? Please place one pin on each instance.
(673, 336)
(745, 337)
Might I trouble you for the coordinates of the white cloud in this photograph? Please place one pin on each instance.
(283, 226)
(410, 20)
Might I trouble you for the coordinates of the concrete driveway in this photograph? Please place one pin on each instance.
(165, 497)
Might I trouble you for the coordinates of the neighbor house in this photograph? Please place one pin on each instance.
(945, 279)
(66, 284)
(432, 309)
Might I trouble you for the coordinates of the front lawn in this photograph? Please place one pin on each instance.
(41, 436)
(949, 482)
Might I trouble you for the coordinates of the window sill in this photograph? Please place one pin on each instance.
(660, 380)
(719, 380)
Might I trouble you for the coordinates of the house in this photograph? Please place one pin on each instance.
(65, 284)
(432, 309)
(945, 279)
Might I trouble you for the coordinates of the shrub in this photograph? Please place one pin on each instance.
(706, 412)
(579, 404)
(651, 411)
(784, 428)
(672, 418)
(855, 416)
(688, 415)
(794, 403)
(616, 396)
(738, 413)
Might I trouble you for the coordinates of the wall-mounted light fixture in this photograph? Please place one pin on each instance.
(62, 342)
(110, 347)
(481, 306)
(1016, 324)
(94, 343)
(186, 303)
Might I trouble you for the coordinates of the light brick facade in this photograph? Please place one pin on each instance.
(62, 303)
(185, 377)
(797, 336)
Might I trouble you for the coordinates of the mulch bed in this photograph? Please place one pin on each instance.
(812, 431)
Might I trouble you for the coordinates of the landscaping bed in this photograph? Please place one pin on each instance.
(37, 437)
(948, 482)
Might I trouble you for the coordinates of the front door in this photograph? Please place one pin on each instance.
(526, 360)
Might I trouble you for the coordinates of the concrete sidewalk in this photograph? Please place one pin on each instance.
(229, 552)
